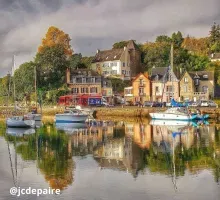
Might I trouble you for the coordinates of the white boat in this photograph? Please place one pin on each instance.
(86, 111)
(169, 122)
(19, 122)
(71, 128)
(20, 131)
(33, 116)
(175, 113)
(71, 116)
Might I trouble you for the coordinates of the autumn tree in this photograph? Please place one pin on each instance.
(177, 39)
(163, 38)
(198, 46)
(55, 36)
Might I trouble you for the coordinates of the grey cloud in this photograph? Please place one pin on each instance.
(94, 24)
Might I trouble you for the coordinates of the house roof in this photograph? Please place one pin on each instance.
(144, 74)
(215, 56)
(108, 55)
(202, 75)
(84, 72)
(158, 73)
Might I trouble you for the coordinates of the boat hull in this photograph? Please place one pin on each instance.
(20, 131)
(170, 122)
(62, 118)
(170, 116)
(13, 123)
(36, 117)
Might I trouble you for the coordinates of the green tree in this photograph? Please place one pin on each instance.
(75, 61)
(163, 38)
(177, 39)
(51, 66)
(120, 44)
(24, 80)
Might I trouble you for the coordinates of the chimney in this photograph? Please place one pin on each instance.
(212, 55)
(97, 51)
(125, 48)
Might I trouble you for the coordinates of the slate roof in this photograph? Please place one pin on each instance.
(215, 56)
(158, 72)
(84, 72)
(108, 55)
(113, 54)
(201, 74)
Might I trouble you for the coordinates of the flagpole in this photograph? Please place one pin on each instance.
(13, 70)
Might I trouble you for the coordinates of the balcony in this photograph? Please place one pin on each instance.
(142, 94)
(158, 93)
(200, 93)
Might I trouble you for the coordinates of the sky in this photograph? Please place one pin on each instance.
(97, 24)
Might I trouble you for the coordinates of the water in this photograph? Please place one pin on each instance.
(114, 160)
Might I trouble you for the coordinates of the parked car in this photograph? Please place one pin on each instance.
(128, 103)
(148, 104)
(194, 104)
(213, 104)
(138, 103)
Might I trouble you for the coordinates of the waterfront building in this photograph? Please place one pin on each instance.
(88, 83)
(121, 63)
(140, 90)
(164, 84)
(197, 85)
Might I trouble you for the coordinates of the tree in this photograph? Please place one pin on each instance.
(24, 80)
(198, 46)
(51, 66)
(55, 36)
(163, 38)
(197, 63)
(120, 44)
(156, 54)
(75, 61)
(214, 34)
(177, 39)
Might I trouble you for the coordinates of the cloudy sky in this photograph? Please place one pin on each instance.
(94, 24)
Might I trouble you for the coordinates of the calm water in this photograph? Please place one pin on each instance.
(112, 161)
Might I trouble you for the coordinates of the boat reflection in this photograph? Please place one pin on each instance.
(19, 132)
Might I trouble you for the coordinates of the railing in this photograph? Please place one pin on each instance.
(200, 93)
(142, 94)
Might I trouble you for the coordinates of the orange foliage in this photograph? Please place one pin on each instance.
(56, 36)
(197, 46)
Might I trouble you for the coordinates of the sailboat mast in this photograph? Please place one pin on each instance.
(171, 65)
(35, 83)
(13, 70)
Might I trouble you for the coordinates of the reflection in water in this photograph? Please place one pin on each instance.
(171, 150)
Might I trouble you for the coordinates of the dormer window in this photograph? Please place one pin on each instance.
(114, 57)
(205, 76)
(106, 57)
(186, 80)
(156, 77)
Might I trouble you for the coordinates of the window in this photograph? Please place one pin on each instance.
(123, 71)
(123, 64)
(75, 90)
(205, 89)
(83, 80)
(205, 76)
(114, 71)
(111, 64)
(83, 90)
(141, 82)
(93, 79)
(93, 90)
(185, 88)
(157, 89)
(141, 91)
(115, 64)
(186, 80)
(87, 90)
(169, 88)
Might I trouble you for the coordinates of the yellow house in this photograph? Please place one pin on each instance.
(141, 88)
(197, 85)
